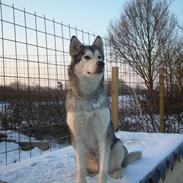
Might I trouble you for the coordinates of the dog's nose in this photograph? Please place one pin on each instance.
(100, 64)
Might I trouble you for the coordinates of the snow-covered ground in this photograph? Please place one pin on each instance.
(59, 166)
(15, 153)
(13, 135)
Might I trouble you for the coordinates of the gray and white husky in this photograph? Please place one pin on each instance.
(97, 150)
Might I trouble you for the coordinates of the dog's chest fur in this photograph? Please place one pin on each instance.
(88, 119)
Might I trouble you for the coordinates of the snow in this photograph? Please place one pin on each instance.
(13, 135)
(14, 151)
(59, 166)
(15, 154)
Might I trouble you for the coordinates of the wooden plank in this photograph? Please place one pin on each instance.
(114, 97)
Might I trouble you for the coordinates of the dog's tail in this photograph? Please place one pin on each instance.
(131, 157)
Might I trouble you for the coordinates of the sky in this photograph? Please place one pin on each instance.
(90, 15)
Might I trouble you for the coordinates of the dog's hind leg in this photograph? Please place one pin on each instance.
(92, 164)
(80, 160)
(117, 155)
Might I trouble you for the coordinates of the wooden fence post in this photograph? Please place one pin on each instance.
(161, 99)
(114, 97)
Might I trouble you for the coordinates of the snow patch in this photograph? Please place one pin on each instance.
(59, 166)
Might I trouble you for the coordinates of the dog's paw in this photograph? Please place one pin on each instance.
(117, 174)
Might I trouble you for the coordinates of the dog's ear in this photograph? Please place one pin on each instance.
(99, 44)
(75, 46)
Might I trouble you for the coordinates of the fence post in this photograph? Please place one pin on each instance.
(161, 99)
(114, 97)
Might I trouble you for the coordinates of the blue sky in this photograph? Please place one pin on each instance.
(93, 16)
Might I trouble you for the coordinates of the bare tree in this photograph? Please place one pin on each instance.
(173, 66)
(180, 26)
(179, 64)
(173, 70)
(140, 35)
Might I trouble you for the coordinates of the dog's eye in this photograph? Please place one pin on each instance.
(99, 57)
(87, 57)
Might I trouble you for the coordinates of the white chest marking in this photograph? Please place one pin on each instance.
(83, 121)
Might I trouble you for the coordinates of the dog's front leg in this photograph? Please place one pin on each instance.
(80, 160)
(104, 150)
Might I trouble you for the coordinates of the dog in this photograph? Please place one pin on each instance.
(97, 149)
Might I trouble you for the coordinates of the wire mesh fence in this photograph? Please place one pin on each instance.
(34, 57)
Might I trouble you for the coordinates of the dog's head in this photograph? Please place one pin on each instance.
(87, 61)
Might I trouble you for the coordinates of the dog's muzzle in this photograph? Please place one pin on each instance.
(100, 66)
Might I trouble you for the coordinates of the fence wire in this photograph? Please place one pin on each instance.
(34, 57)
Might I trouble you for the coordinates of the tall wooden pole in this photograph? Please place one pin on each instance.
(114, 97)
(161, 99)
